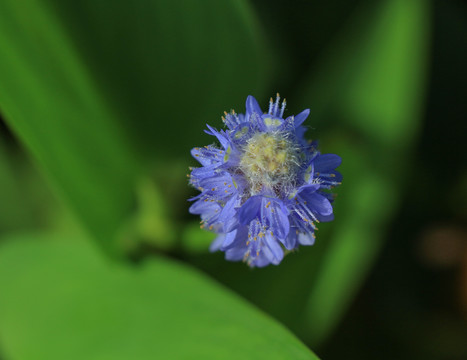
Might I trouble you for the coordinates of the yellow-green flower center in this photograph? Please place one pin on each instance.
(269, 159)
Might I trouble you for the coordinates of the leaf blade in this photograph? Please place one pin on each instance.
(98, 310)
(53, 106)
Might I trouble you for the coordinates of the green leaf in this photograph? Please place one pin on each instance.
(15, 210)
(84, 84)
(53, 105)
(26, 200)
(62, 300)
(169, 67)
(371, 85)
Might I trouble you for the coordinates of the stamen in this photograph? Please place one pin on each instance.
(276, 105)
(283, 108)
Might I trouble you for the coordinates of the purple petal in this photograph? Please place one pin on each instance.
(275, 215)
(249, 210)
(208, 155)
(307, 239)
(228, 214)
(290, 241)
(235, 253)
(327, 162)
(203, 206)
(252, 106)
(256, 121)
(204, 172)
(300, 118)
(219, 186)
(217, 243)
(222, 139)
(320, 204)
(275, 248)
(307, 189)
(325, 218)
(229, 239)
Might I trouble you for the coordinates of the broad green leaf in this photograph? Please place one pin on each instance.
(54, 106)
(15, 212)
(84, 83)
(169, 67)
(26, 200)
(63, 300)
(371, 84)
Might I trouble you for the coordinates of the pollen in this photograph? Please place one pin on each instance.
(269, 160)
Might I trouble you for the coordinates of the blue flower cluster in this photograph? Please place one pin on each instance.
(266, 187)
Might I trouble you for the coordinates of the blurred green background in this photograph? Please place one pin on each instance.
(100, 103)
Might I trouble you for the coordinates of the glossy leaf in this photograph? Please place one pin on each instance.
(63, 300)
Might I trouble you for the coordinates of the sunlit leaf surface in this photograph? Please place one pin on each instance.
(63, 300)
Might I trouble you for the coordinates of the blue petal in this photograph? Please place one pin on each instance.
(229, 239)
(274, 214)
(249, 210)
(300, 118)
(337, 176)
(256, 122)
(236, 239)
(217, 243)
(221, 137)
(207, 155)
(204, 205)
(276, 250)
(228, 215)
(236, 253)
(300, 134)
(262, 260)
(307, 189)
(320, 204)
(290, 241)
(219, 186)
(327, 162)
(325, 218)
(201, 173)
(306, 239)
(265, 257)
(252, 106)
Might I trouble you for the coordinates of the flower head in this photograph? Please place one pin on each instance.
(265, 188)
